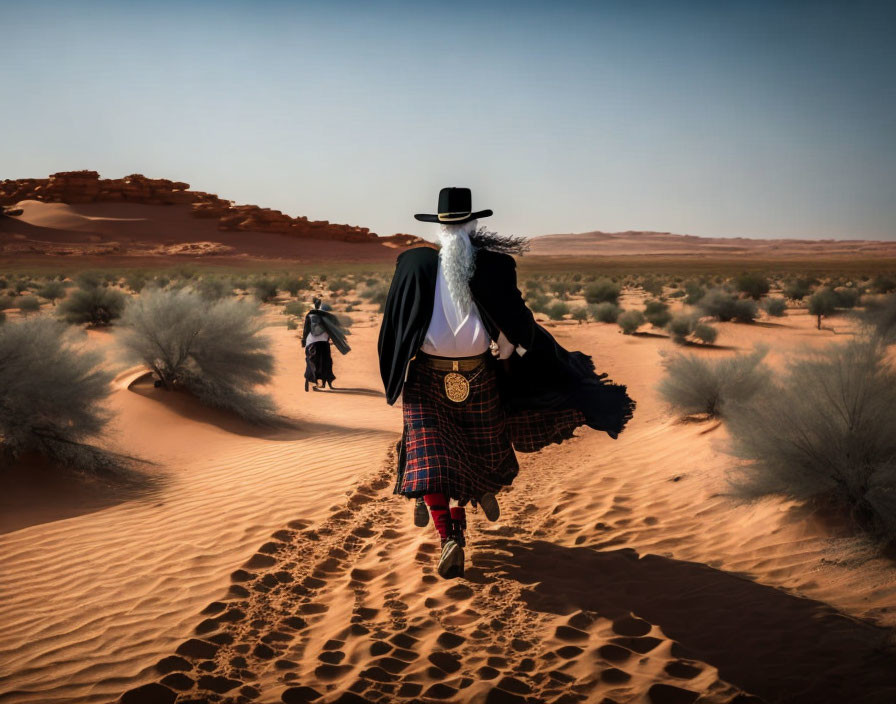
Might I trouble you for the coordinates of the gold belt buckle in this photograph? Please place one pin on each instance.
(457, 388)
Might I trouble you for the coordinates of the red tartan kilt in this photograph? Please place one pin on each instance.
(467, 449)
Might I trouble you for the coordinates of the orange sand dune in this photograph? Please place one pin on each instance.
(616, 244)
(277, 566)
(134, 229)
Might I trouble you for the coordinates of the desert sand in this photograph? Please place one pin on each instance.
(276, 565)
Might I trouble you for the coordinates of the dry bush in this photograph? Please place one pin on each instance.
(214, 287)
(681, 326)
(706, 333)
(880, 316)
(557, 310)
(774, 306)
(213, 349)
(822, 304)
(657, 314)
(603, 290)
(753, 285)
(293, 285)
(604, 312)
(52, 291)
(296, 308)
(95, 305)
(265, 289)
(725, 306)
(630, 321)
(826, 433)
(51, 395)
(694, 385)
(579, 313)
(29, 304)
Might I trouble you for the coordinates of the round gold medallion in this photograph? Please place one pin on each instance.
(457, 388)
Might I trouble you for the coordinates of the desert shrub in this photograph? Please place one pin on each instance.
(557, 310)
(89, 279)
(774, 306)
(214, 287)
(657, 314)
(677, 293)
(652, 286)
(798, 289)
(725, 306)
(160, 281)
(825, 433)
(694, 292)
(6, 302)
(339, 285)
(95, 306)
(292, 324)
(823, 303)
(847, 297)
(630, 321)
(579, 313)
(376, 294)
(681, 326)
(605, 312)
(538, 303)
(52, 391)
(29, 304)
(213, 349)
(241, 283)
(293, 285)
(706, 333)
(883, 284)
(880, 316)
(52, 291)
(562, 289)
(603, 290)
(345, 320)
(136, 281)
(753, 285)
(296, 308)
(694, 385)
(265, 290)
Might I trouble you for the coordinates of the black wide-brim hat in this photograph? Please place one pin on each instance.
(455, 208)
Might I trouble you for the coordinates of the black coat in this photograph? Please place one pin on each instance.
(331, 324)
(547, 376)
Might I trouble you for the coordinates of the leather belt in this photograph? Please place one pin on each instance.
(448, 364)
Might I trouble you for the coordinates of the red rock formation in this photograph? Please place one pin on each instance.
(87, 187)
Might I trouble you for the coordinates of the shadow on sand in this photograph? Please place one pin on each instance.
(353, 391)
(777, 646)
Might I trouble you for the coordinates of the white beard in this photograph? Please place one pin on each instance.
(456, 260)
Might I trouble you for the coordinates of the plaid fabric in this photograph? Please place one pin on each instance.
(466, 449)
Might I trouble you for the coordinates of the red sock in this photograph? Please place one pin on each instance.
(438, 507)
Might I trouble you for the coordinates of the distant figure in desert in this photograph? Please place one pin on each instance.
(478, 377)
(320, 329)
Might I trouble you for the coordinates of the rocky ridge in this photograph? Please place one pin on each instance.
(76, 187)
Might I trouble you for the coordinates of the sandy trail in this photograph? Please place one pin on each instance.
(618, 573)
(279, 567)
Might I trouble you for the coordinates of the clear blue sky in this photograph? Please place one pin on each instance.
(763, 119)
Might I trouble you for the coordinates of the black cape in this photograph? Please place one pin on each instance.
(547, 376)
(331, 324)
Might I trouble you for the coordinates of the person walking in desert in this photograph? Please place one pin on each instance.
(320, 329)
(479, 379)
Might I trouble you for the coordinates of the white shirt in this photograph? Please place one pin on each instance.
(320, 337)
(448, 334)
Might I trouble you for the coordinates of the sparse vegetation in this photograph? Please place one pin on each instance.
(96, 306)
(774, 306)
(265, 290)
(557, 310)
(753, 285)
(725, 306)
(213, 349)
(822, 304)
(603, 290)
(604, 312)
(52, 391)
(52, 291)
(696, 385)
(657, 314)
(825, 433)
(630, 321)
(29, 304)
